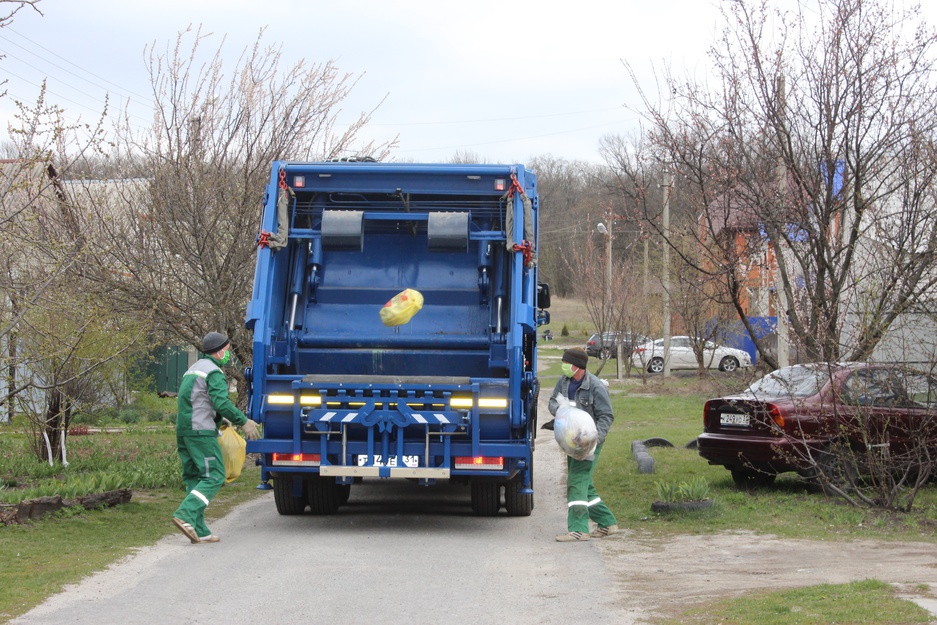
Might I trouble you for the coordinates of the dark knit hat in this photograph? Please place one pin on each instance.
(213, 341)
(576, 356)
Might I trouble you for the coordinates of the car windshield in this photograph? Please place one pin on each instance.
(794, 381)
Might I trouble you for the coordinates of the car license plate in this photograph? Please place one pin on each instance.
(410, 462)
(732, 418)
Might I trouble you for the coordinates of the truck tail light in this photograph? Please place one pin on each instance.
(481, 462)
(283, 399)
(296, 460)
(483, 402)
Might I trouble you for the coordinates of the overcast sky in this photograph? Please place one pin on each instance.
(504, 80)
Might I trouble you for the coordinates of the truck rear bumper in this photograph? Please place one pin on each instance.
(393, 472)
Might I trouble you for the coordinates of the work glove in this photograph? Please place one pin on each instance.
(251, 430)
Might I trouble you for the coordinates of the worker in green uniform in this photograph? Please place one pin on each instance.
(202, 405)
(583, 502)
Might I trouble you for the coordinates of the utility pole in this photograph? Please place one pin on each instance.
(609, 305)
(645, 267)
(666, 183)
(783, 331)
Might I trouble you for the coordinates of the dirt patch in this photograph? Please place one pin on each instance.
(664, 576)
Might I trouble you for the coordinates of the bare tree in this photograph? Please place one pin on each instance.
(568, 197)
(187, 209)
(58, 335)
(811, 167)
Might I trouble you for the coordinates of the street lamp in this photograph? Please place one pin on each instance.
(607, 231)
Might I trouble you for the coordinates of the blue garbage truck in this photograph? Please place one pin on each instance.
(449, 395)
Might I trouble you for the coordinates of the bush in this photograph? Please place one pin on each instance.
(146, 407)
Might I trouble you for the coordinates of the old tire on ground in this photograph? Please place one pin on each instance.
(681, 506)
(486, 498)
(728, 364)
(656, 365)
(750, 478)
(516, 502)
(287, 503)
(324, 496)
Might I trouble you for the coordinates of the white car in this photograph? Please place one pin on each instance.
(650, 356)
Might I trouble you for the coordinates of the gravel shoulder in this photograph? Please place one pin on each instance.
(662, 576)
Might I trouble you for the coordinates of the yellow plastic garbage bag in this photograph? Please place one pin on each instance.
(234, 452)
(401, 307)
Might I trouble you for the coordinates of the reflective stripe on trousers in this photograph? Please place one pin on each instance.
(587, 504)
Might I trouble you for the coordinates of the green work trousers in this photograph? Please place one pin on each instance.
(204, 474)
(581, 497)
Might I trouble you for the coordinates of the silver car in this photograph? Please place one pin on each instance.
(650, 356)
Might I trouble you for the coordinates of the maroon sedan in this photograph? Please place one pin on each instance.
(821, 419)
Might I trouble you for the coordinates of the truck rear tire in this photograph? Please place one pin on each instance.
(324, 497)
(486, 498)
(287, 502)
(344, 492)
(515, 502)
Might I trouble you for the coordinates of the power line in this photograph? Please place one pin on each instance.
(101, 78)
(49, 91)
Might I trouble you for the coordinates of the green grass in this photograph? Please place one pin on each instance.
(868, 601)
(43, 556)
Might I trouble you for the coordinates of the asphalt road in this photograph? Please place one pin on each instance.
(395, 553)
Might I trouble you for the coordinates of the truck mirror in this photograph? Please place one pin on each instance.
(543, 295)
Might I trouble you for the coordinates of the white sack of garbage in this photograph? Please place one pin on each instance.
(574, 430)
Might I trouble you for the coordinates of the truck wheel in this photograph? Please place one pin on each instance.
(515, 502)
(486, 498)
(324, 497)
(287, 502)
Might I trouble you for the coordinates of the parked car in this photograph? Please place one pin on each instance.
(650, 355)
(809, 418)
(606, 344)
